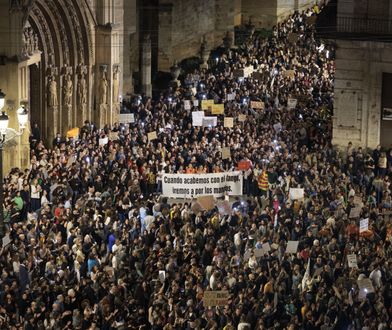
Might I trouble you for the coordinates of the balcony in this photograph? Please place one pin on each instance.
(369, 26)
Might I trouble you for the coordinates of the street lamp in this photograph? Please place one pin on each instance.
(23, 117)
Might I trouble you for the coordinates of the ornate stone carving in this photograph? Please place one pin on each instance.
(103, 87)
(52, 92)
(30, 40)
(116, 83)
(67, 91)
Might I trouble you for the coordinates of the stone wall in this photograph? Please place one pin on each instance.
(358, 86)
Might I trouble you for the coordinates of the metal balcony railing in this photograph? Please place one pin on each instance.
(349, 24)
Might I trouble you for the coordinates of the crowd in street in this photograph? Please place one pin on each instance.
(91, 244)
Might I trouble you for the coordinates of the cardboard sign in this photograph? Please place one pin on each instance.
(293, 37)
(127, 118)
(206, 202)
(104, 141)
(352, 261)
(257, 105)
(210, 121)
(113, 136)
(205, 104)
(241, 118)
(292, 103)
(266, 247)
(218, 109)
(257, 75)
(238, 73)
(358, 201)
(289, 73)
(197, 118)
(228, 122)
(364, 225)
(152, 136)
(196, 208)
(258, 253)
(226, 153)
(296, 193)
(224, 207)
(244, 165)
(355, 212)
(187, 104)
(292, 246)
(216, 298)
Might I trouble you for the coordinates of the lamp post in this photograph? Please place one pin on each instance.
(4, 120)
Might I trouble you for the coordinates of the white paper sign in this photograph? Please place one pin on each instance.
(352, 261)
(210, 121)
(194, 90)
(6, 240)
(187, 105)
(162, 275)
(363, 225)
(292, 103)
(195, 103)
(231, 97)
(277, 127)
(127, 118)
(355, 212)
(296, 193)
(292, 246)
(197, 118)
(104, 141)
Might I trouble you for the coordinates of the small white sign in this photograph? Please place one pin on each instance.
(296, 193)
(187, 105)
(127, 118)
(292, 246)
(363, 225)
(352, 261)
(197, 118)
(104, 141)
(210, 121)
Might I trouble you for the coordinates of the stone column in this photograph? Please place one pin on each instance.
(146, 66)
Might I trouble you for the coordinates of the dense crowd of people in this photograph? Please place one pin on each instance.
(91, 244)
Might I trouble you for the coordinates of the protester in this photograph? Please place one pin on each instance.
(93, 245)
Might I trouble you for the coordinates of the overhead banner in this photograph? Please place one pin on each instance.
(194, 185)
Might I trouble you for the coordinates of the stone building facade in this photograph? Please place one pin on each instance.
(363, 62)
(66, 60)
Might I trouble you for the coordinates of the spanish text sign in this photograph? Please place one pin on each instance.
(194, 185)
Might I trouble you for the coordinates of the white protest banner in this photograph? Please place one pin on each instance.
(292, 103)
(104, 141)
(197, 118)
(194, 185)
(296, 193)
(195, 103)
(216, 298)
(126, 118)
(363, 225)
(292, 246)
(210, 121)
(352, 260)
(187, 104)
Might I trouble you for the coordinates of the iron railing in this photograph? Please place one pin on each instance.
(350, 24)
